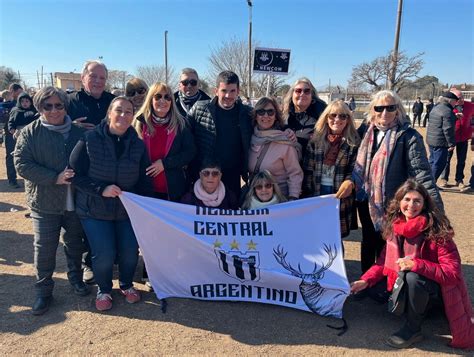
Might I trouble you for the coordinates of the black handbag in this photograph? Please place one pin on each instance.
(397, 301)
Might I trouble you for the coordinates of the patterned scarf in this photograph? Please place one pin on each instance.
(369, 173)
(262, 137)
(188, 102)
(334, 141)
(209, 199)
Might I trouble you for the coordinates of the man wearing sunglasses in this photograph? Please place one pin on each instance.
(222, 130)
(440, 132)
(88, 106)
(188, 91)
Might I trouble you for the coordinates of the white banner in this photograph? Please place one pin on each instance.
(288, 254)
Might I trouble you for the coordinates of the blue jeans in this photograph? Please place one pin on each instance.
(461, 153)
(110, 240)
(326, 190)
(438, 159)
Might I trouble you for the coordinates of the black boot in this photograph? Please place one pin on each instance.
(41, 305)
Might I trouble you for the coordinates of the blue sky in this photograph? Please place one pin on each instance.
(326, 37)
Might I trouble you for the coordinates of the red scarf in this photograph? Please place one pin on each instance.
(334, 145)
(405, 241)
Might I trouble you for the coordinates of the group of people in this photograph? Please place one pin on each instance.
(89, 146)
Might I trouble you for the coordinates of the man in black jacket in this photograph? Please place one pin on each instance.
(440, 132)
(15, 90)
(88, 106)
(417, 111)
(188, 91)
(222, 130)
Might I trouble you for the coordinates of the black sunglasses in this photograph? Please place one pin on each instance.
(269, 112)
(213, 173)
(267, 186)
(166, 97)
(341, 116)
(191, 82)
(381, 108)
(136, 91)
(301, 90)
(49, 106)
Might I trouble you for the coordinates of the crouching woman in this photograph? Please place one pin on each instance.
(420, 243)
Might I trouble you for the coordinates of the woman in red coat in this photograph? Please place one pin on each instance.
(419, 242)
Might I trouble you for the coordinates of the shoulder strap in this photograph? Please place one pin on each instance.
(256, 170)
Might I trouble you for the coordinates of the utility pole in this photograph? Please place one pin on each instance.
(42, 78)
(393, 69)
(249, 3)
(166, 57)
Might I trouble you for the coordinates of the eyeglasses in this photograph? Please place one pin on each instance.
(49, 106)
(191, 82)
(301, 90)
(269, 112)
(260, 187)
(341, 116)
(213, 173)
(389, 108)
(136, 91)
(166, 97)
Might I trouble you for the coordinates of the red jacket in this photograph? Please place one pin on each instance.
(442, 264)
(463, 130)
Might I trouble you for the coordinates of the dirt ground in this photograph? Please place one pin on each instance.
(191, 327)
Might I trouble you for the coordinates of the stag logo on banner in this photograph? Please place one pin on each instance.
(317, 298)
(238, 265)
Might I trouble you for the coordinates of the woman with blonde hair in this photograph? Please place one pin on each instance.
(330, 159)
(263, 191)
(390, 152)
(301, 109)
(135, 90)
(169, 143)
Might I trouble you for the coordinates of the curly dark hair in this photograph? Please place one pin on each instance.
(438, 227)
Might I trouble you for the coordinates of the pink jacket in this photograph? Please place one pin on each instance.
(442, 264)
(282, 162)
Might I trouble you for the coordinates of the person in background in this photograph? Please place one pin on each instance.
(462, 133)
(41, 158)
(420, 244)
(87, 108)
(270, 149)
(188, 92)
(15, 90)
(263, 191)
(209, 190)
(136, 90)
(169, 143)
(417, 110)
(330, 159)
(429, 108)
(301, 109)
(108, 160)
(4, 111)
(440, 134)
(390, 152)
(352, 104)
(22, 115)
(89, 105)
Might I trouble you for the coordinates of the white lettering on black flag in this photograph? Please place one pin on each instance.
(288, 254)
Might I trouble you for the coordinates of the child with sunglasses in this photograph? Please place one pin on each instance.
(209, 190)
(263, 191)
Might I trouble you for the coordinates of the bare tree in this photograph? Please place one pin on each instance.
(233, 55)
(157, 73)
(7, 77)
(376, 73)
(118, 79)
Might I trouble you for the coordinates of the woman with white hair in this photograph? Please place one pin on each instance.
(390, 152)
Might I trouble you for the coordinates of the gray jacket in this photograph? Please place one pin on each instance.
(40, 156)
(440, 131)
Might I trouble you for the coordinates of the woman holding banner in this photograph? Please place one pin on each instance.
(330, 159)
(390, 153)
(420, 251)
(209, 190)
(270, 149)
(111, 159)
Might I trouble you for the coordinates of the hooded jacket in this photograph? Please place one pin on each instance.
(20, 117)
